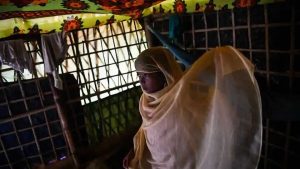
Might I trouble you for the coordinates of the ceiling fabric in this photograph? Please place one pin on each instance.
(43, 16)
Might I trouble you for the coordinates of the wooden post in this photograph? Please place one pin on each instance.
(149, 36)
(64, 121)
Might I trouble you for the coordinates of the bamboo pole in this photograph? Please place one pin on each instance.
(64, 121)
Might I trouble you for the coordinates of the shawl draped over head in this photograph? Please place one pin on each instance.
(208, 117)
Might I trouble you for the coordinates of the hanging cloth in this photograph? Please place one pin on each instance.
(207, 118)
(174, 27)
(14, 54)
(54, 49)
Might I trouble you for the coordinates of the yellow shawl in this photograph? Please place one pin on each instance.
(207, 118)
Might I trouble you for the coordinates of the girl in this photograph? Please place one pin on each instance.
(208, 117)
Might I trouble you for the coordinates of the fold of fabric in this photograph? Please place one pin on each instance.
(210, 118)
(14, 54)
(54, 49)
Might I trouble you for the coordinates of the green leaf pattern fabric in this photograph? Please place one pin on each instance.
(43, 16)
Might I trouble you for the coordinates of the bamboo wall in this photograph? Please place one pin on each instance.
(41, 124)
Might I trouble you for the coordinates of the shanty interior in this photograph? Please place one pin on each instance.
(97, 111)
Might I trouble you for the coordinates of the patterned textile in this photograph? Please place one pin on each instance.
(43, 16)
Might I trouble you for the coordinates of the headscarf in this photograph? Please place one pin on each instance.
(207, 118)
(159, 59)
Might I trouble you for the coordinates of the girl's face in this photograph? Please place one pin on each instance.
(152, 82)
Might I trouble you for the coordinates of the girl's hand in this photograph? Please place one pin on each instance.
(127, 159)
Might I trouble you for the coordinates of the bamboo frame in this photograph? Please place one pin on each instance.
(107, 115)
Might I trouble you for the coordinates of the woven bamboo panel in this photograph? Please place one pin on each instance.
(40, 124)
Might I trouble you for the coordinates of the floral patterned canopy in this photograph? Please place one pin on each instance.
(42, 16)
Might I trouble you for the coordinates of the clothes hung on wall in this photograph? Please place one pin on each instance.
(54, 49)
(14, 54)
